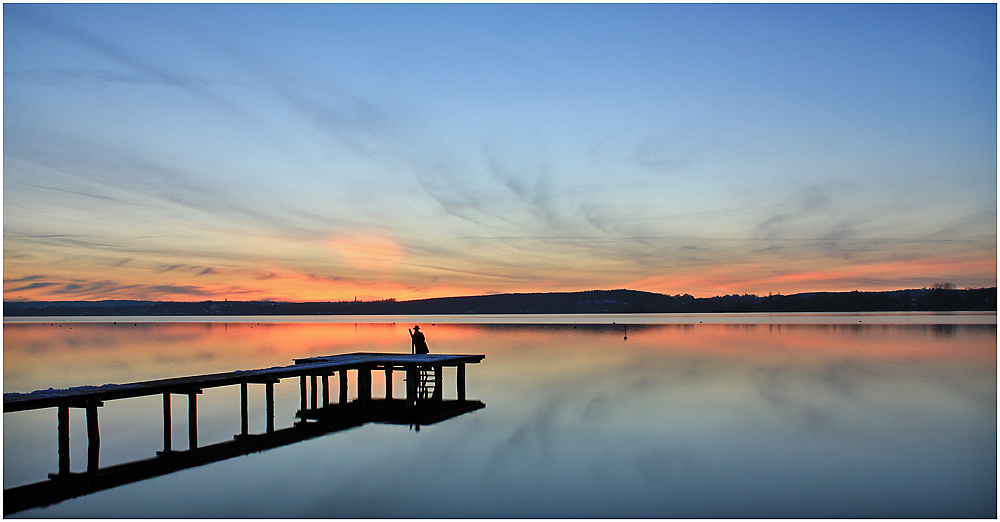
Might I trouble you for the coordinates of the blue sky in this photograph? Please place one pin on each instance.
(327, 151)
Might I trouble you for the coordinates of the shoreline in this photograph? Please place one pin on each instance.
(735, 318)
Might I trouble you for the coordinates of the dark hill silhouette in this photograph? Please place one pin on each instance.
(593, 301)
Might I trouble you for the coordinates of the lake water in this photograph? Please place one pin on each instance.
(765, 415)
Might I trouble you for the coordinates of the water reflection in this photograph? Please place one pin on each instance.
(688, 421)
(321, 421)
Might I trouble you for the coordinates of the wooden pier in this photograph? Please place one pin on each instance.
(423, 405)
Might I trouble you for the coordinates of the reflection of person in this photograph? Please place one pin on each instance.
(419, 343)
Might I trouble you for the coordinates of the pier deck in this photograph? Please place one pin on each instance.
(325, 365)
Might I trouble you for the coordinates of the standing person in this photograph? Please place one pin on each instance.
(419, 343)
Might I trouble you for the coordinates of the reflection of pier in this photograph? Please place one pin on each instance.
(424, 404)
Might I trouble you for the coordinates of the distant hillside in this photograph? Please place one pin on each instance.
(594, 301)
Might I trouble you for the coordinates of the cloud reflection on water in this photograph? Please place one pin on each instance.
(677, 421)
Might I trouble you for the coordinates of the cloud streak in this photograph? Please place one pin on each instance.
(154, 73)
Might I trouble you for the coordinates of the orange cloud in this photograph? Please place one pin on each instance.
(244, 285)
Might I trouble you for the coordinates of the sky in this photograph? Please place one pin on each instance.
(317, 152)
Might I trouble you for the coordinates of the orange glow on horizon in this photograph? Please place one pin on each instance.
(383, 257)
(761, 279)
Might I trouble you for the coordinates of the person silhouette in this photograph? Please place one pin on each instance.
(418, 340)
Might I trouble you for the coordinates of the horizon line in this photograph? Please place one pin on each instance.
(393, 299)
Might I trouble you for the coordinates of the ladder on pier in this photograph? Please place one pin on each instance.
(425, 386)
(426, 383)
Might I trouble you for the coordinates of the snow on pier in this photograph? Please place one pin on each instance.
(81, 396)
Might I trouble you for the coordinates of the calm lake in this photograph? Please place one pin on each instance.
(797, 415)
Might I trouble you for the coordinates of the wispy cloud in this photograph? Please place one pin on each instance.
(55, 288)
(32, 286)
(142, 185)
(152, 73)
(23, 279)
(357, 123)
(81, 76)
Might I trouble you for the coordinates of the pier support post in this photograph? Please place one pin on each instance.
(412, 379)
(93, 438)
(244, 410)
(364, 384)
(461, 382)
(314, 393)
(326, 390)
(302, 392)
(166, 423)
(388, 383)
(343, 386)
(269, 398)
(438, 381)
(63, 430)
(193, 419)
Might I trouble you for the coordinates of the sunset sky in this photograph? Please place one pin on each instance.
(327, 152)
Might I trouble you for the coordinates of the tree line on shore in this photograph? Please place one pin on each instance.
(593, 301)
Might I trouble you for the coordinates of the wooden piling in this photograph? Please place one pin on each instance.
(438, 382)
(364, 384)
(63, 430)
(314, 393)
(269, 398)
(244, 410)
(343, 386)
(193, 419)
(412, 380)
(166, 423)
(461, 382)
(93, 438)
(302, 392)
(388, 383)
